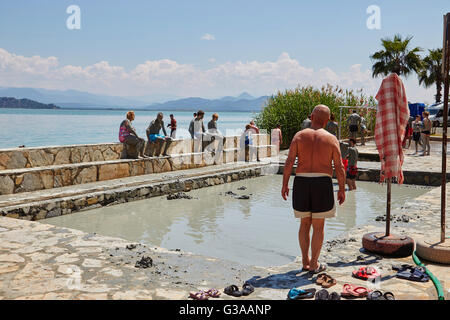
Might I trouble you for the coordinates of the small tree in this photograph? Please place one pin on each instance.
(291, 107)
(396, 57)
(431, 72)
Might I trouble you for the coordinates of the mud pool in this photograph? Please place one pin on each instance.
(261, 230)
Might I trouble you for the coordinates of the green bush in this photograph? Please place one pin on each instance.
(291, 107)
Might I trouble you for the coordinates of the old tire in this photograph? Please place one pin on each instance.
(434, 251)
(393, 245)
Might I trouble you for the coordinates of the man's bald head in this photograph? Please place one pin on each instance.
(320, 116)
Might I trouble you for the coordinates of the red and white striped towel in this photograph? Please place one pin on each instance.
(391, 120)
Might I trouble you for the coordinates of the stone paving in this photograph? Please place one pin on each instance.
(40, 261)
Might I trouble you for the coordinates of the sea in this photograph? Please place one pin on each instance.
(54, 127)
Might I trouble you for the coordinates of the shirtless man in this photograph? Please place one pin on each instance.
(154, 136)
(313, 196)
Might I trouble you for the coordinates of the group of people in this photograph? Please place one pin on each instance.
(419, 131)
(355, 122)
(129, 136)
(157, 134)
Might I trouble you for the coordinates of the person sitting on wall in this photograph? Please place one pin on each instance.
(129, 137)
(153, 135)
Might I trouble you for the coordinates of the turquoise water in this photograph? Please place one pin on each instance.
(36, 127)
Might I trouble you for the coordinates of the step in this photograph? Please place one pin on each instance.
(47, 203)
(18, 158)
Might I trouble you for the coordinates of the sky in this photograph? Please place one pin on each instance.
(208, 48)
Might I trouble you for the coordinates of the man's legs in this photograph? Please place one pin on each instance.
(304, 240)
(316, 242)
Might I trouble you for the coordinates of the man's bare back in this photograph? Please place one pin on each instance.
(316, 150)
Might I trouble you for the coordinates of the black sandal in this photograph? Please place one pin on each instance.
(232, 290)
(322, 295)
(247, 289)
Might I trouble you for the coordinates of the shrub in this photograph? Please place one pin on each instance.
(291, 107)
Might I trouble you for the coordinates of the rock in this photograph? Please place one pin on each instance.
(242, 188)
(178, 195)
(145, 262)
(131, 246)
(31, 182)
(63, 156)
(16, 161)
(6, 185)
(243, 197)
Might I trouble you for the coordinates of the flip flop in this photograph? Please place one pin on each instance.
(389, 296)
(199, 295)
(366, 273)
(247, 288)
(213, 293)
(352, 291)
(296, 294)
(328, 282)
(322, 295)
(232, 290)
(335, 296)
(320, 268)
(375, 295)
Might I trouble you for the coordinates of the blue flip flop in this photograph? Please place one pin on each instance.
(296, 294)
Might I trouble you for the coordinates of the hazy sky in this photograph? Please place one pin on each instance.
(206, 48)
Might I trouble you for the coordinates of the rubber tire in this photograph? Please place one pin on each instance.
(401, 247)
(437, 254)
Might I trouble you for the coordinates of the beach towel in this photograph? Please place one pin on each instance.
(392, 117)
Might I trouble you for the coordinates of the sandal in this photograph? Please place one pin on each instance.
(321, 278)
(322, 295)
(335, 296)
(232, 290)
(247, 288)
(366, 273)
(320, 268)
(296, 294)
(328, 281)
(375, 295)
(416, 274)
(389, 296)
(213, 293)
(352, 291)
(199, 295)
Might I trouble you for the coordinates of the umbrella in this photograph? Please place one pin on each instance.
(392, 117)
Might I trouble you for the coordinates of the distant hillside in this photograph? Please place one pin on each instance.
(7, 102)
(73, 99)
(224, 104)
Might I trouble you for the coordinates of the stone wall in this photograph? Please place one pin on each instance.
(20, 158)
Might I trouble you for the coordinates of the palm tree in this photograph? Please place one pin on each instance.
(431, 72)
(396, 57)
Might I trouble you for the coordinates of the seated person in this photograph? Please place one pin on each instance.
(153, 135)
(129, 137)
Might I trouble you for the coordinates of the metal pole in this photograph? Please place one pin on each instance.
(388, 208)
(445, 66)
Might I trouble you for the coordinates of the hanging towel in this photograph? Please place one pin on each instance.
(392, 117)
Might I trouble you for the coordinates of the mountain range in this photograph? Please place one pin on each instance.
(73, 99)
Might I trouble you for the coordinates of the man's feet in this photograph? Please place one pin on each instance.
(320, 268)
